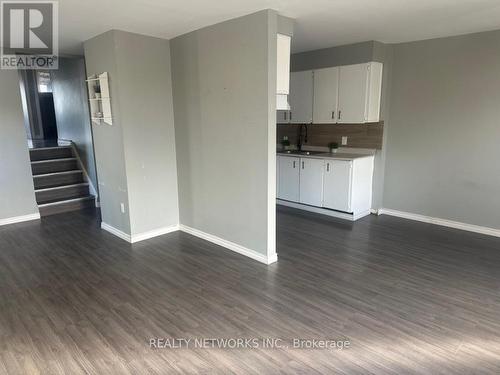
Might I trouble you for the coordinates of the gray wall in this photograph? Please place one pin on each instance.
(382, 53)
(31, 105)
(17, 195)
(335, 56)
(136, 163)
(147, 117)
(72, 113)
(356, 54)
(443, 142)
(108, 140)
(223, 105)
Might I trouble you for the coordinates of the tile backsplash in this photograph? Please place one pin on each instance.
(367, 136)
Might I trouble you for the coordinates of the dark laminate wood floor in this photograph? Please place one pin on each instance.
(410, 297)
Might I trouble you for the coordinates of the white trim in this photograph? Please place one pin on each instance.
(141, 236)
(52, 160)
(153, 233)
(48, 148)
(116, 232)
(230, 245)
(195, 232)
(57, 173)
(273, 258)
(19, 219)
(324, 211)
(442, 222)
(271, 193)
(57, 203)
(375, 211)
(361, 215)
(62, 187)
(271, 149)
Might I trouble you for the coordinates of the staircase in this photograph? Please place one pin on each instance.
(60, 184)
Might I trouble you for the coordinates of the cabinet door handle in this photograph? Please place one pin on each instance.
(290, 115)
(294, 163)
(302, 165)
(340, 113)
(328, 167)
(284, 113)
(333, 115)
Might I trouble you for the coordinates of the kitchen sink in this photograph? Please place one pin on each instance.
(296, 152)
(311, 152)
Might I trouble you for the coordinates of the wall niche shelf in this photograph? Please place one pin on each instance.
(99, 99)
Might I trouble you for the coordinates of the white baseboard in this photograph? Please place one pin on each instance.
(153, 233)
(116, 232)
(442, 222)
(272, 259)
(360, 215)
(195, 232)
(324, 211)
(19, 219)
(230, 245)
(138, 237)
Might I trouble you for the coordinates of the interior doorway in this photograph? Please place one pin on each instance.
(59, 136)
(38, 107)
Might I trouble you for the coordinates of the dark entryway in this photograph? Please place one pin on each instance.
(38, 105)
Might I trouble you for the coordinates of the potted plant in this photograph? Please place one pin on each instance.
(333, 146)
(285, 143)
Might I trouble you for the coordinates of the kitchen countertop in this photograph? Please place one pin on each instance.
(325, 155)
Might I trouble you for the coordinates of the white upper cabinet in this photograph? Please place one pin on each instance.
(346, 95)
(282, 116)
(301, 97)
(282, 102)
(359, 93)
(353, 83)
(326, 91)
(283, 71)
(374, 92)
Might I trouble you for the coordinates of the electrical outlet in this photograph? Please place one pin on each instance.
(122, 207)
(344, 141)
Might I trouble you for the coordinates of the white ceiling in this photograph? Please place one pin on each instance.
(319, 23)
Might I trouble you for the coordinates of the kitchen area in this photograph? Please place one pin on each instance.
(329, 133)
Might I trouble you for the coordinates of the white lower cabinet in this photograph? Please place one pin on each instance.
(337, 185)
(333, 184)
(311, 181)
(288, 178)
(277, 176)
